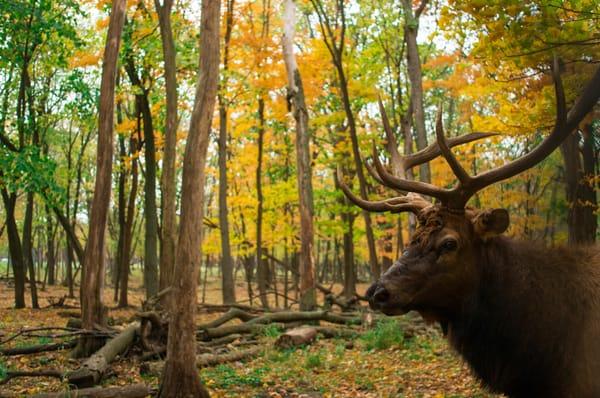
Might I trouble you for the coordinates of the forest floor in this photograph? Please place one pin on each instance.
(381, 362)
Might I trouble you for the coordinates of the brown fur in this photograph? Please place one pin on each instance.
(525, 317)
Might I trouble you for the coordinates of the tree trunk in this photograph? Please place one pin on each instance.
(14, 246)
(128, 235)
(180, 377)
(92, 309)
(150, 212)
(415, 75)
(581, 196)
(261, 265)
(304, 175)
(169, 221)
(28, 248)
(228, 283)
(50, 256)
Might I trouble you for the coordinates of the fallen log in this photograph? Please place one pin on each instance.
(34, 349)
(92, 370)
(213, 333)
(204, 360)
(233, 313)
(226, 307)
(305, 316)
(41, 373)
(131, 391)
(296, 337)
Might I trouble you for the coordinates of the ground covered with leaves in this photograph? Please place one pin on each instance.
(388, 360)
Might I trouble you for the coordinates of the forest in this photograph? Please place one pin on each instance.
(197, 195)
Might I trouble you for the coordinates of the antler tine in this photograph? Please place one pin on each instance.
(565, 124)
(373, 173)
(398, 204)
(432, 151)
(401, 184)
(456, 167)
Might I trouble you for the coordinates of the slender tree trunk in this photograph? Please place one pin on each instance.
(169, 221)
(28, 248)
(581, 196)
(308, 299)
(128, 235)
(415, 75)
(261, 270)
(92, 308)
(50, 256)
(228, 283)
(150, 211)
(14, 245)
(180, 377)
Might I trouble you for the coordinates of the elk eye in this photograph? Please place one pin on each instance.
(449, 245)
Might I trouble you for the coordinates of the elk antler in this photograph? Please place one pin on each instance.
(457, 197)
(410, 202)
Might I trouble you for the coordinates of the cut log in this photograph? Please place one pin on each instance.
(92, 370)
(296, 337)
(204, 360)
(34, 349)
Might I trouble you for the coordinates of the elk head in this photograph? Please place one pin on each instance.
(438, 270)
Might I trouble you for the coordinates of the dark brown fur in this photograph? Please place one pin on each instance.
(525, 317)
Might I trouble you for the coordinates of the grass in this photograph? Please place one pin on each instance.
(272, 331)
(225, 376)
(387, 333)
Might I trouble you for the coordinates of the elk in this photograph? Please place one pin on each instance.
(526, 318)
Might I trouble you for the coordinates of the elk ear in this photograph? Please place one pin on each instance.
(490, 223)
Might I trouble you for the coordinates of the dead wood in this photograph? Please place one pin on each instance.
(34, 349)
(205, 360)
(212, 333)
(209, 308)
(154, 329)
(276, 317)
(131, 391)
(92, 370)
(220, 341)
(41, 373)
(233, 313)
(296, 337)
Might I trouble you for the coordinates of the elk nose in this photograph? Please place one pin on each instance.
(381, 295)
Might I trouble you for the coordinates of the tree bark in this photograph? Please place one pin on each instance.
(261, 266)
(50, 255)
(415, 75)
(150, 212)
(92, 308)
(308, 298)
(169, 220)
(581, 196)
(180, 378)
(228, 283)
(28, 248)
(14, 246)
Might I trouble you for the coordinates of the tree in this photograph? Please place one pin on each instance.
(180, 377)
(334, 35)
(169, 221)
(228, 284)
(304, 174)
(92, 308)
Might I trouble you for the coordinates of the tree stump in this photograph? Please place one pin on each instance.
(296, 337)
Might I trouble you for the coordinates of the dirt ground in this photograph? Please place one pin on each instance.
(381, 363)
